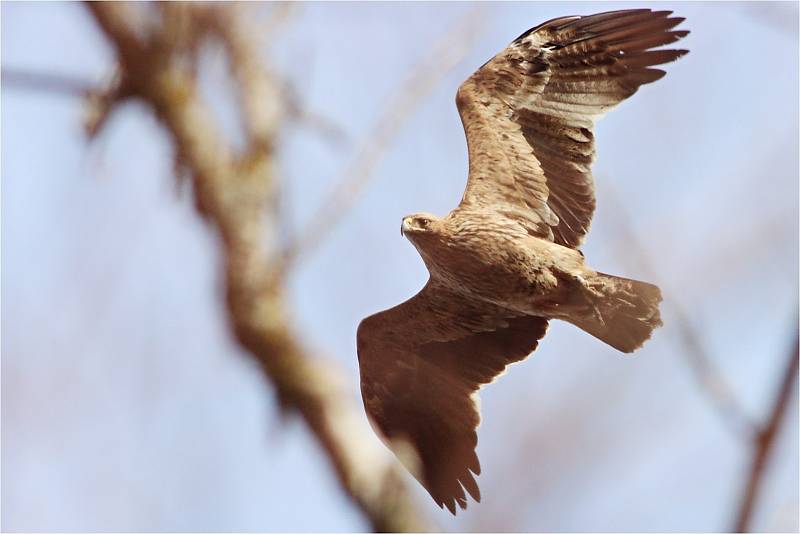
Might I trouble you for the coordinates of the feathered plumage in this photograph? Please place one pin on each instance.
(504, 262)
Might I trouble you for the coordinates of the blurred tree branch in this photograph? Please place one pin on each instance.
(40, 81)
(708, 377)
(760, 436)
(765, 438)
(156, 46)
(98, 98)
(443, 57)
(157, 54)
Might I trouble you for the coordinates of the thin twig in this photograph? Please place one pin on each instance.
(727, 404)
(710, 379)
(70, 86)
(100, 99)
(765, 439)
(438, 62)
(236, 192)
(316, 122)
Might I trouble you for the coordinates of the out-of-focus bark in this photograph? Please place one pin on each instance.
(236, 192)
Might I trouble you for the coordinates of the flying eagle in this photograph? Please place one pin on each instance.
(506, 260)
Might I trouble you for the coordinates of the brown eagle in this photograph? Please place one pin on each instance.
(506, 260)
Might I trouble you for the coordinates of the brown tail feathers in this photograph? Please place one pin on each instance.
(624, 312)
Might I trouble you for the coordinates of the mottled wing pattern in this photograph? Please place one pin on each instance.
(421, 364)
(528, 114)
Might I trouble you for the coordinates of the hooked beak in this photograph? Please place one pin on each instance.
(405, 226)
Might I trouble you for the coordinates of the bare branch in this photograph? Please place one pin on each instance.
(237, 193)
(318, 123)
(52, 83)
(761, 437)
(260, 97)
(708, 377)
(445, 56)
(100, 100)
(765, 439)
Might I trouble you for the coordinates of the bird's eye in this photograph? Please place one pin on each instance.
(423, 223)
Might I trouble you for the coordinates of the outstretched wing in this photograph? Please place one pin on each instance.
(421, 364)
(529, 112)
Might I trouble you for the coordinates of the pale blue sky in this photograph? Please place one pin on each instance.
(127, 406)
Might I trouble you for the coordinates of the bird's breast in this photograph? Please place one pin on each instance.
(491, 265)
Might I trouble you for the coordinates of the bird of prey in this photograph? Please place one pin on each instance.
(506, 260)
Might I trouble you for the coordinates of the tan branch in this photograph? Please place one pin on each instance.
(437, 63)
(236, 193)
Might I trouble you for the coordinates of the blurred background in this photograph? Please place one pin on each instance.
(127, 404)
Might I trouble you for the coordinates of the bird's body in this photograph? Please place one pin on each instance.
(492, 261)
(506, 260)
(498, 262)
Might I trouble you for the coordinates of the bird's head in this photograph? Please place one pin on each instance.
(419, 227)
